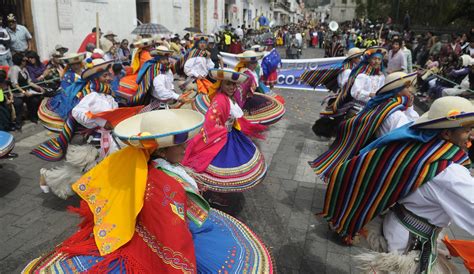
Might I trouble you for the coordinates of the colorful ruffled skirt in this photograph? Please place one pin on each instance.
(260, 109)
(48, 117)
(238, 166)
(222, 244)
(7, 143)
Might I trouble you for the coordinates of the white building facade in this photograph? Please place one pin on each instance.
(343, 10)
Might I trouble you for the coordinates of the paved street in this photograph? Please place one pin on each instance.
(281, 209)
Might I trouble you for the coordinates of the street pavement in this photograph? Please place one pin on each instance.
(281, 210)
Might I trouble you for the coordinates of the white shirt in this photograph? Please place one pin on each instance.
(364, 85)
(343, 77)
(448, 197)
(164, 87)
(235, 111)
(396, 120)
(198, 66)
(93, 102)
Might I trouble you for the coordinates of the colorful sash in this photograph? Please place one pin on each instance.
(344, 96)
(355, 133)
(145, 77)
(361, 188)
(54, 149)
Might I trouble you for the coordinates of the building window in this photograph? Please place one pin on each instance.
(344, 1)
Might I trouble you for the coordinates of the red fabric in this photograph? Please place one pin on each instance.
(90, 38)
(162, 239)
(463, 249)
(235, 48)
(5, 68)
(204, 147)
(117, 115)
(252, 130)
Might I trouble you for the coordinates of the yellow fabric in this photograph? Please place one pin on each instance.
(213, 89)
(240, 65)
(136, 60)
(227, 39)
(114, 191)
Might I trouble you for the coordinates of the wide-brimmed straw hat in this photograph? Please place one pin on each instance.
(447, 112)
(73, 58)
(144, 42)
(257, 48)
(372, 50)
(161, 51)
(249, 56)
(353, 53)
(161, 128)
(466, 60)
(397, 80)
(228, 75)
(110, 33)
(94, 66)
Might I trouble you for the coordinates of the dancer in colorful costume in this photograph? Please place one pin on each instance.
(163, 86)
(195, 64)
(391, 108)
(417, 171)
(49, 107)
(363, 82)
(258, 107)
(269, 65)
(222, 157)
(80, 158)
(94, 87)
(143, 213)
(129, 84)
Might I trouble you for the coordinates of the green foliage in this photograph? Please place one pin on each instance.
(422, 12)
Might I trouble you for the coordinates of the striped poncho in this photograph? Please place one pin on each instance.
(354, 134)
(366, 185)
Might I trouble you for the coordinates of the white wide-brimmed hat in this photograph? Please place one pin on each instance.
(161, 51)
(73, 58)
(143, 43)
(447, 112)
(354, 52)
(257, 48)
(162, 128)
(397, 80)
(249, 56)
(94, 66)
(228, 75)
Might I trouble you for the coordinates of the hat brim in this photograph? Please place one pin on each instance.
(163, 128)
(76, 58)
(143, 44)
(373, 50)
(228, 75)
(358, 54)
(252, 58)
(160, 52)
(409, 78)
(95, 69)
(461, 120)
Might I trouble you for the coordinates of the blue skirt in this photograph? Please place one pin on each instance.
(221, 243)
(238, 166)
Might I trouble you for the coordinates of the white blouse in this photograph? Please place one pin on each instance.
(198, 66)
(364, 85)
(343, 77)
(396, 120)
(93, 102)
(448, 197)
(164, 87)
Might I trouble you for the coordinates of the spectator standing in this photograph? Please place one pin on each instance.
(407, 53)
(396, 59)
(5, 54)
(320, 37)
(239, 32)
(406, 21)
(19, 34)
(89, 39)
(61, 49)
